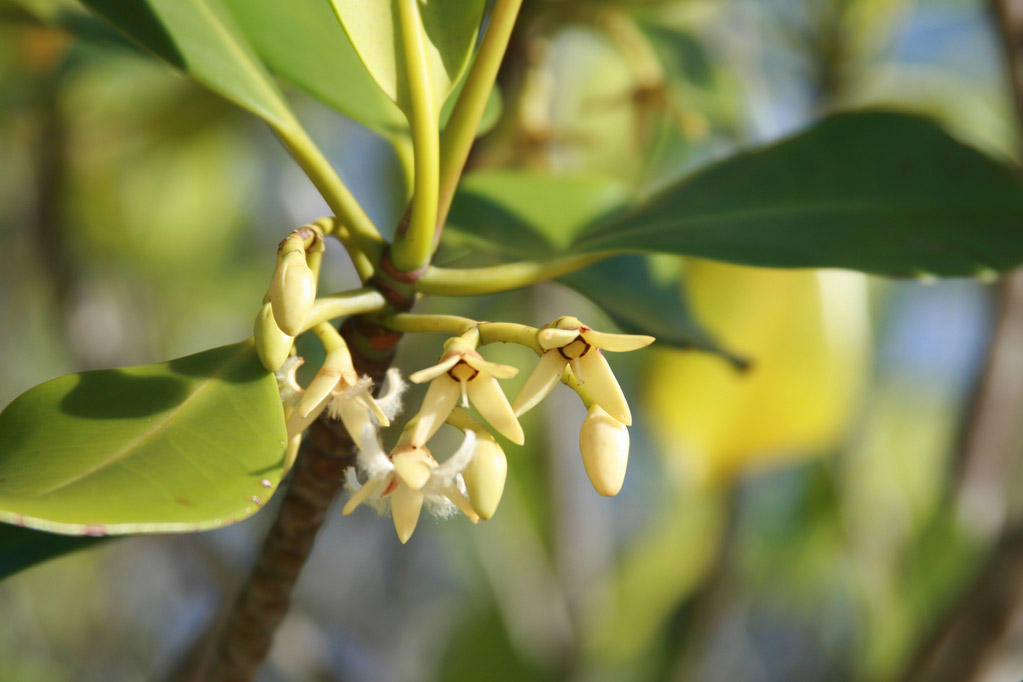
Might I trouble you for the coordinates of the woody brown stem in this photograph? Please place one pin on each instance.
(317, 477)
(961, 644)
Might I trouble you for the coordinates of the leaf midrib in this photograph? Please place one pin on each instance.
(623, 227)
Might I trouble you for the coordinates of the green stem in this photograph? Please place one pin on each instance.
(495, 278)
(330, 338)
(489, 332)
(411, 323)
(412, 251)
(353, 228)
(460, 132)
(365, 300)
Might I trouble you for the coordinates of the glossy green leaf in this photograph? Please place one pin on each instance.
(642, 299)
(449, 27)
(191, 444)
(302, 41)
(22, 548)
(201, 38)
(872, 191)
(528, 215)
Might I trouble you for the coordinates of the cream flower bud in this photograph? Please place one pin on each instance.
(485, 475)
(604, 443)
(292, 291)
(272, 344)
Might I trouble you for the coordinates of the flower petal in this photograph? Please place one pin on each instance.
(367, 400)
(440, 399)
(431, 373)
(413, 467)
(391, 394)
(617, 343)
(297, 423)
(372, 460)
(354, 416)
(291, 452)
(319, 389)
(600, 383)
(491, 368)
(556, 338)
(361, 495)
(546, 374)
(459, 459)
(489, 399)
(406, 505)
(460, 500)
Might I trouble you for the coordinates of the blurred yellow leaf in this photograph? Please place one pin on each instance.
(806, 335)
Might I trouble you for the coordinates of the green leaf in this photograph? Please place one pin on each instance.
(872, 191)
(191, 444)
(449, 27)
(302, 41)
(200, 38)
(642, 299)
(527, 215)
(22, 548)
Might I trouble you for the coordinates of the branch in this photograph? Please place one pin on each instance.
(317, 478)
(959, 646)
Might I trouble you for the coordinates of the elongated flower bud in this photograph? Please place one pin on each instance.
(272, 344)
(604, 443)
(292, 292)
(485, 476)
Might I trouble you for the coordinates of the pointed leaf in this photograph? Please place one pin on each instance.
(529, 215)
(302, 41)
(190, 444)
(200, 38)
(873, 191)
(449, 27)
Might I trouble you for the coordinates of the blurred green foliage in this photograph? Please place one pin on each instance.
(139, 213)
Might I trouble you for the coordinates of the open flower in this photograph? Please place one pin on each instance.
(410, 478)
(339, 390)
(568, 342)
(462, 372)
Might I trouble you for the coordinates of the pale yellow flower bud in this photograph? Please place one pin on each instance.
(272, 344)
(604, 443)
(292, 292)
(485, 476)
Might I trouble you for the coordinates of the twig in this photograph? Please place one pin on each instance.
(318, 476)
(960, 645)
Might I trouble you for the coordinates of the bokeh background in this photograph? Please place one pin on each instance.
(819, 517)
